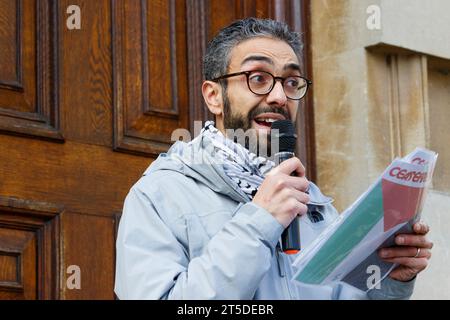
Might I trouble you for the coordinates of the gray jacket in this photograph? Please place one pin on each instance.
(187, 233)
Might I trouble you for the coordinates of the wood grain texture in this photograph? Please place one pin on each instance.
(10, 45)
(197, 38)
(85, 178)
(18, 262)
(29, 100)
(10, 269)
(86, 74)
(89, 243)
(29, 231)
(150, 74)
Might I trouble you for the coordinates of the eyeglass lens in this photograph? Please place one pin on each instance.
(261, 82)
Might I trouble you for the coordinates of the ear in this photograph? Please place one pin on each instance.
(212, 94)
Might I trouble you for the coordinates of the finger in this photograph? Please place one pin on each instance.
(284, 182)
(414, 263)
(413, 240)
(298, 195)
(421, 228)
(291, 165)
(408, 252)
(295, 208)
(297, 183)
(302, 209)
(296, 198)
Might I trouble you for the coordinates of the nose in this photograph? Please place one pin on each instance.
(277, 96)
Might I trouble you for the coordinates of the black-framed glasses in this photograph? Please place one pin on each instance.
(262, 83)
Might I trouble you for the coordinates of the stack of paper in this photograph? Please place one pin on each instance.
(348, 249)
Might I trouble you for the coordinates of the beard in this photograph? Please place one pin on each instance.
(256, 141)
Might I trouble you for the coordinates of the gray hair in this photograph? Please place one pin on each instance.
(217, 57)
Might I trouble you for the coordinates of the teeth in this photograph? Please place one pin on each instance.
(267, 120)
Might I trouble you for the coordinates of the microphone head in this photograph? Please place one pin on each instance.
(286, 135)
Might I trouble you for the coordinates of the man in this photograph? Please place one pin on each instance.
(204, 221)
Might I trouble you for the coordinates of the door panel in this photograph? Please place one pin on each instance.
(29, 249)
(88, 242)
(18, 264)
(28, 104)
(85, 72)
(150, 74)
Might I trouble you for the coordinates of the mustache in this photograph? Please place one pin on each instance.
(267, 109)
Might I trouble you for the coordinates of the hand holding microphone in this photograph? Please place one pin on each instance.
(283, 191)
(282, 194)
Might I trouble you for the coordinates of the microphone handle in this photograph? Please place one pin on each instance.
(290, 238)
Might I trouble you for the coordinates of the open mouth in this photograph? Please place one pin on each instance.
(265, 120)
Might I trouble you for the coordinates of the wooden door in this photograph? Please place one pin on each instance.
(82, 114)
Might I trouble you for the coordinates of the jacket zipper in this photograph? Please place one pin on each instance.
(282, 271)
(280, 267)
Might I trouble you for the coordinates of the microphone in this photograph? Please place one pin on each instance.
(290, 238)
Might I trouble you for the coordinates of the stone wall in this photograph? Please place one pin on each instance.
(380, 90)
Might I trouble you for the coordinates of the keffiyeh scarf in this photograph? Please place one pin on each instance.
(243, 167)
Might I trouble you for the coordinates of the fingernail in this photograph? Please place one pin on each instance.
(400, 240)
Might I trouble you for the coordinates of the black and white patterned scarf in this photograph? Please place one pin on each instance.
(243, 167)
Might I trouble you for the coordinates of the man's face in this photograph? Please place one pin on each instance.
(242, 109)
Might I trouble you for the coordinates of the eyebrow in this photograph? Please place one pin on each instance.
(292, 66)
(257, 58)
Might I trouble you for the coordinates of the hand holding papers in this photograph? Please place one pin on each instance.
(347, 249)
